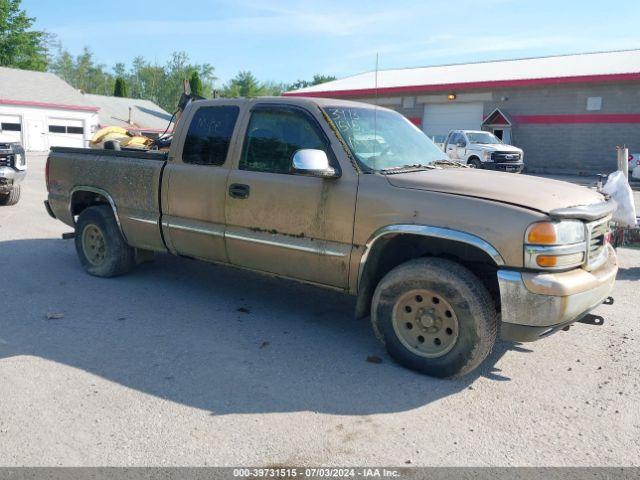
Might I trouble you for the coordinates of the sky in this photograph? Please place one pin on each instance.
(287, 40)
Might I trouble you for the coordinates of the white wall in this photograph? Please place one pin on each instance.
(35, 135)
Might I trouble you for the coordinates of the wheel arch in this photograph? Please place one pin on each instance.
(392, 245)
(83, 197)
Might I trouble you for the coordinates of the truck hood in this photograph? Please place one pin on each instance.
(536, 193)
(494, 147)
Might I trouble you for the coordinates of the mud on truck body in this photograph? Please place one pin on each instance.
(441, 257)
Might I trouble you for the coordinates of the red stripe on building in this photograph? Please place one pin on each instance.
(578, 118)
(59, 106)
(528, 82)
(415, 120)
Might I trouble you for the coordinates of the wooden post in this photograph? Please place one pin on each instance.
(623, 160)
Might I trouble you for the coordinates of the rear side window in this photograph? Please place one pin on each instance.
(209, 135)
(273, 137)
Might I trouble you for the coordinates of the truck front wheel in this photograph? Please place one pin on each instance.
(434, 316)
(10, 198)
(474, 162)
(101, 248)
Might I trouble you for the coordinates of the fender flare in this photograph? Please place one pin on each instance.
(99, 191)
(431, 232)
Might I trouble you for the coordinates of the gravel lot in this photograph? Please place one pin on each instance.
(162, 368)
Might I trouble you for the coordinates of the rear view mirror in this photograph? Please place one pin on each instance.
(314, 163)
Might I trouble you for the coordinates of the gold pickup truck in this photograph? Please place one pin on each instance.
(352, 197)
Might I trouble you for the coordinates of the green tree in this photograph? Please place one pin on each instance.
(20, 47)
(120, 89)
(317, 80)
(82, 72)
(195, 84)
(162, 84)
(245, 84)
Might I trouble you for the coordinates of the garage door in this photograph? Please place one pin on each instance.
(439, 119)
(11, 128)
(66, 132)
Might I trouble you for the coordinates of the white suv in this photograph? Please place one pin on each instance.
(483, 150)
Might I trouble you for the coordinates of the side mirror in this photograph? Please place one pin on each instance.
(461, 144)
(314, 163)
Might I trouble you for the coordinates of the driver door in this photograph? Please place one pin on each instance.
(452, 149)
(460, 147)
(284, 223)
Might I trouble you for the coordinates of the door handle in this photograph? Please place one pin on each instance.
(239, 190)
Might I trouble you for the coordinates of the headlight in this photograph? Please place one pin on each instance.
(486, 155)
(555, 245)
(556, 233)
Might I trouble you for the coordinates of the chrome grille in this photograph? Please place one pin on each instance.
(505, 157)
(597, 232)
(6, 160)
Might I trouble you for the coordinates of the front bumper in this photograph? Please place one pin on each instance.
(516, 167)
(9, 177)
(535, 305)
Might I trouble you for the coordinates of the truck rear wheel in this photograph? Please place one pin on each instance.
(10, 198)
(434, 316)
(101, 248)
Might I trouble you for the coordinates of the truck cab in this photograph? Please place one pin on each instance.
(480, 149)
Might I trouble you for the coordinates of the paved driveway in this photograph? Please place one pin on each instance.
(185, 363)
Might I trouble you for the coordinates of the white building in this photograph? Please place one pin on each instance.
(41, 110)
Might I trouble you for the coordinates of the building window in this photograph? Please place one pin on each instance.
(65, 129)
(11, 127)
(594, 103)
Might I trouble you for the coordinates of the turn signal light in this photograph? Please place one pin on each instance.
(548, 261)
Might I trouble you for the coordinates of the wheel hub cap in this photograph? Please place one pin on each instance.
(425, 323)
(94, 245)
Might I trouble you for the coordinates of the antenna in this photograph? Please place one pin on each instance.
(375, 112)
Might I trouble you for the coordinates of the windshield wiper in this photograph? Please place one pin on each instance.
(406, 168)
(453, 163)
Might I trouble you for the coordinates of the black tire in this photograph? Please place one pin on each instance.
(472, 304)
(117, 257)
(11, 198)
(474, 162)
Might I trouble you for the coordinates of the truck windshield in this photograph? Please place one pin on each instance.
(483, 138)
(381, 139)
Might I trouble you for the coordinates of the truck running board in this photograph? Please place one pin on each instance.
(68, 235)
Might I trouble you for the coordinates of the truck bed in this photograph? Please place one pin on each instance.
(128, 180)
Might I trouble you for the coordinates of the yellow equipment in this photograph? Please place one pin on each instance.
(126, 138)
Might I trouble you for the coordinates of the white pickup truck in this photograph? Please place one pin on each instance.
(13, 168)
(480, 149)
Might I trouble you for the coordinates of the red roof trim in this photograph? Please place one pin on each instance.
(578, 118)
(60, 106)
(615, 77)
